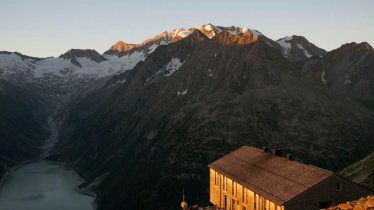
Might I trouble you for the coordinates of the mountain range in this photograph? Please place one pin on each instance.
(142, 121)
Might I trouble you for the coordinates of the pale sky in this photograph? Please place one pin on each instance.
(50, 27)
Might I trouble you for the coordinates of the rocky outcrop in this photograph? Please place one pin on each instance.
(298, 48)
(73, 54)
(366, 203)
(348, 70)
(361, 172)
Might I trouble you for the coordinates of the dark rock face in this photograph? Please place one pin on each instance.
(78, 53)
(152, 130)
(298, 48)
(21, 128)
(348, 70)
(155, 134)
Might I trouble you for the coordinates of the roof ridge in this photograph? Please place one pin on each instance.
(269, 175)
(270, 171)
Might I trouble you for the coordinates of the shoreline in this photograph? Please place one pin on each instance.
(10, 170)
(46, 150)
(84, 191)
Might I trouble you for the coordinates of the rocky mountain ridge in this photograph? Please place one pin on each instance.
(194, 100)
(147, 118)
(297, 48)
(347, 70)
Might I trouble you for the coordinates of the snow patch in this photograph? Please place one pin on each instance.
(55, 66)
(286, 45)
(208, 27)
(118, 82)
(306, 53)
(14, 62)
(210, 73)
(152, 48)
(347, 80)
(34, 69)
(256, 33)
(184, 33)
(182, 92)
(323, 80)
(268, 43)
(171, 67)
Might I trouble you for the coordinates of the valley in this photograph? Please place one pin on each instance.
(142, 121)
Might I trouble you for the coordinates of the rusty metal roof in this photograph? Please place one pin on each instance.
(273, 177)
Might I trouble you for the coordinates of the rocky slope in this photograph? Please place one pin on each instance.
(142, 121)
(194, 100)
(347, 70)
(298, 48)
(21, 122)
(361, 172)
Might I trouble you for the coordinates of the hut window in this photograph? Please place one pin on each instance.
(339, 186)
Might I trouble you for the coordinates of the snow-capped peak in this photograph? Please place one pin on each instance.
(298, 47)
(183, 33)
(286, 45)
(149, 46)
(83, 53)
(211, 30)
(122, 46)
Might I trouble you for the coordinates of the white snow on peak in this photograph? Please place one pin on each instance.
(168, 37)
(233, 30)
(184, 33)
(286, 45)
(256, 33)
(13, 64)
(153, 47)
(171, 67)
(306, 53)
(288, 38)
(208, 27)
(246, 29)
(180, 32)
(53, 66)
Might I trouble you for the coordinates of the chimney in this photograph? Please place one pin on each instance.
(277, 152)
(289, 157)
(265, 149)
